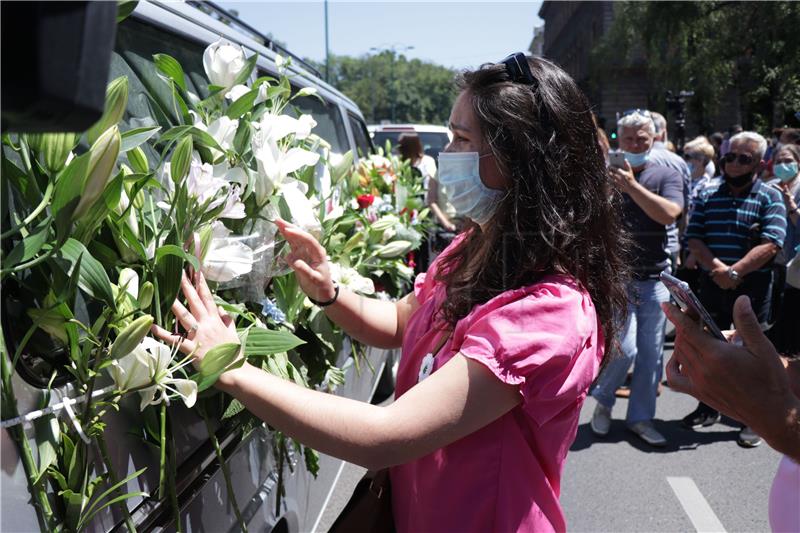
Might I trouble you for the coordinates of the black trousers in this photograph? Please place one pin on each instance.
(719, 303)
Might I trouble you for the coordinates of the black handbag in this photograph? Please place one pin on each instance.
(370, 507)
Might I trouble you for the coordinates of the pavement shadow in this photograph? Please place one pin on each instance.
(678, 438)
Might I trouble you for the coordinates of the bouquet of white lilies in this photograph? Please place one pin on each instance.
(141, 206)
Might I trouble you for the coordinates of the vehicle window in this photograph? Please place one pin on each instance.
(133, 52)
(433, 143)
(360, 135)
(379, 138)
(330, 125)
(133, 57)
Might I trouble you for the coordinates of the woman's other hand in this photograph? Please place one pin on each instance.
(309, 262)
(206, 324)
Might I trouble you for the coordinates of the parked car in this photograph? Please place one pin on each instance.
(183, 31)
(433, 138)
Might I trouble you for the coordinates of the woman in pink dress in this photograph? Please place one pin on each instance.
(501, 338)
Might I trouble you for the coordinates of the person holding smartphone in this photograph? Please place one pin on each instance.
(751, 382)
(653, 198)
(735, 231)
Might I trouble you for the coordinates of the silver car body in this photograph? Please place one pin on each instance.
(202, 493)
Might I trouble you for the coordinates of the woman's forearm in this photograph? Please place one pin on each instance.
(368, 320)
(341, 427)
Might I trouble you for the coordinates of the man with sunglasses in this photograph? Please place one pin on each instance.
(735, 231)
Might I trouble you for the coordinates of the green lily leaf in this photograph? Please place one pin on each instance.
(92, 277)
(177, 251)
(29, 246)
(242, 105)
(136, 137)
(169, 66)
(261, 342)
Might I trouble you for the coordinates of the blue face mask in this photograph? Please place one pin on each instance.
(785, 171)
(460, 179)
(637, 160)
(691, 167)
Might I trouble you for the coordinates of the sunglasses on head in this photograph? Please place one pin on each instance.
(518, 69)
(743, 159)
(643, 112)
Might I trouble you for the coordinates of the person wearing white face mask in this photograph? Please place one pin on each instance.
(501, 338)
(653, 199)
(786, 169)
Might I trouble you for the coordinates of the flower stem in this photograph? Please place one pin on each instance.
(225, 470)
(44, 513)
(162, 471)
(48, 193)
(123, 506)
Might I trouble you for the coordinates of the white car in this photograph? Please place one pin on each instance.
(433, 138)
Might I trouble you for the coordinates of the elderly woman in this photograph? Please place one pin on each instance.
(502, 336)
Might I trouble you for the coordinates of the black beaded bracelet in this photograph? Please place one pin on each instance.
(329, 302)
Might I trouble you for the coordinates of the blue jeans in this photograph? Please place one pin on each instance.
(642, 341)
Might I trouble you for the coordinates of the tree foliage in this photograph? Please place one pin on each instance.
(422, 92)
(715, 48)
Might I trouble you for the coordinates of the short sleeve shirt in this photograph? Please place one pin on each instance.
(650, 256)
(731, 225)
(506, 476)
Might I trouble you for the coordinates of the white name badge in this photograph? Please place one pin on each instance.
(426, 367)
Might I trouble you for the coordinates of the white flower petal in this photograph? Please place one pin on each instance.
(297, 158)
(187, 390)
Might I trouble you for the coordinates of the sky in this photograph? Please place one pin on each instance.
(454, 34)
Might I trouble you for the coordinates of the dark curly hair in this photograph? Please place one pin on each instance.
(560, 213)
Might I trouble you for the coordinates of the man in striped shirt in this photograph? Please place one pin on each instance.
(735, 231)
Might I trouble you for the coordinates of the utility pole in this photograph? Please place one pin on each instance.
(327, 47)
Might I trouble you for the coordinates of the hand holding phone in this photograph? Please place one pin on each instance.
(616, 159)
(689, 304)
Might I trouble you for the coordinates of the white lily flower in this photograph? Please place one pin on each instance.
(223, 130)
(227, 257)
(149, 364)
(350, 279)
(223, 61)
(236, 92)
(281, 63)
(211, 183)
(274, 165)
(302, 209)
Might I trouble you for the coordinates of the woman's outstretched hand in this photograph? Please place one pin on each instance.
(309, 262)
(206, 324)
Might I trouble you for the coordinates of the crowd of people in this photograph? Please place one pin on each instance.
(542, 298)
(724, 218)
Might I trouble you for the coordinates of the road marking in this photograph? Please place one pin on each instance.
(695, 505)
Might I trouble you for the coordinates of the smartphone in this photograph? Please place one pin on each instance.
(689, 303)
(616, 159)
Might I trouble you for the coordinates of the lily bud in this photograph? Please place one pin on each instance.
(116, 102)
(52, 149)
(138, 160)
(129, 281)
(394, 249)
(181, 159)
(146, 295)
(102, 159)
(131, 336)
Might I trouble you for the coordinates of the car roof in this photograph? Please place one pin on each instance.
(185, 19)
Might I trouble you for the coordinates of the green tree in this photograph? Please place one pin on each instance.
(715, 48)
(419, 91)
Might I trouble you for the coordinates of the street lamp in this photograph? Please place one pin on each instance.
(394, 49)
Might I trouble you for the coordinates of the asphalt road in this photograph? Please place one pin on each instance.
(701, 481)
